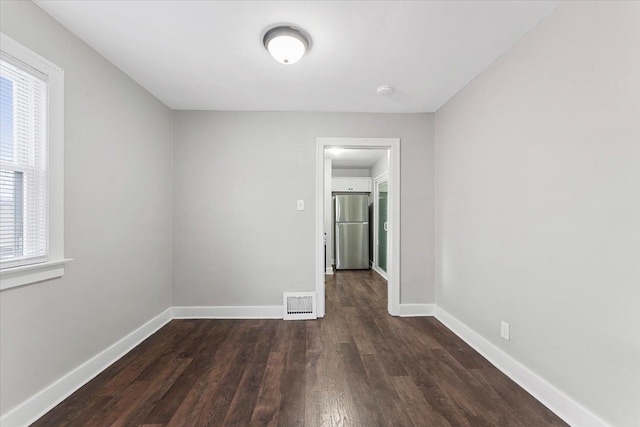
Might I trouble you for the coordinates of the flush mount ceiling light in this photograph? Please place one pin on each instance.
(286, 44)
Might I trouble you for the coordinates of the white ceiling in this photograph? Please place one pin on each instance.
(360, 158)
(209, 55)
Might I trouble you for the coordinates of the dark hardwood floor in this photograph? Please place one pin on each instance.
(356, 367)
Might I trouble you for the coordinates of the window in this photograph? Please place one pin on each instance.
(31, 171)
(23, 165)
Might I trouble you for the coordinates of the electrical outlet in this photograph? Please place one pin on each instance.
(504, 330)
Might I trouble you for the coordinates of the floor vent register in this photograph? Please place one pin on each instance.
(299, 305)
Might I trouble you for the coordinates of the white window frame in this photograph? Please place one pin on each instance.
(53, 267)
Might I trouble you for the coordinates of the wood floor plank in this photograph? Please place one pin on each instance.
(356, 367)
(367, 407)
(488, 401)
(110, 412)
(210, 340)
(385, 394)
(246, 393)
(266, 409)
(219, 398)
(428, 385)
(516, 399)
(339, 408)
(390, 361)
(196, 406)
(159, 380)
(292, 404)
(314, 373)
(421, 412)
(359, 334)
(137, 363)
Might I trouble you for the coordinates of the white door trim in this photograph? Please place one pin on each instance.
(376, 218)
(393, 256)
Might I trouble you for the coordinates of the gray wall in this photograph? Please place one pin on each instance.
(538, 207)
(238, 239)
(117, 217)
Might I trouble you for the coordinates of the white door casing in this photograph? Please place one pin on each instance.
(393, 262)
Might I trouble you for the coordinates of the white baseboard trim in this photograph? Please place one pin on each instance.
(562, 405)
(39, 404)
(415, 310)
(229, 312)
(329, 271)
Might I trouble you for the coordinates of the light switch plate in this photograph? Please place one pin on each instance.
(300, 205)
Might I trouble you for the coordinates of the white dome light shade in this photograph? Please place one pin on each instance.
(286, 44)
(285, 49)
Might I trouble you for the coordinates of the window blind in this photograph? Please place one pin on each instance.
(23, 164)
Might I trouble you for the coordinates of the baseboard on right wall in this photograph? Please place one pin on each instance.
(558, 402)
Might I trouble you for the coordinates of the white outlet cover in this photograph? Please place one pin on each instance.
(504, 330)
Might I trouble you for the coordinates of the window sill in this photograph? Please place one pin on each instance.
(28, 274)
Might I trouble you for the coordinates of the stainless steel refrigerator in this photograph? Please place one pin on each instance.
(352, 231)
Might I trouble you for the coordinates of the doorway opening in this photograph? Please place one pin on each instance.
(383, 260)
